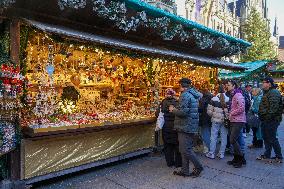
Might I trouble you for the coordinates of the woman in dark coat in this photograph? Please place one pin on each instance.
(205, 119)
(170, 138)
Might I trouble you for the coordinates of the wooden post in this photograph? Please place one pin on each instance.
(15, 156)
(15, 40)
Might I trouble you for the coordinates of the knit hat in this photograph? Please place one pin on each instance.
(170, 92)
(185, 82)
(269, 80)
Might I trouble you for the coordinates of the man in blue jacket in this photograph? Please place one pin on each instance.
(186, 124)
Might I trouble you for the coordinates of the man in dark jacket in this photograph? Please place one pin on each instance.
(270, 114)
(186, 123)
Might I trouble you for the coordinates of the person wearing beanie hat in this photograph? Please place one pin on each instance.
(187, 123)
(170, 92)
(270, 114)
(169, 134)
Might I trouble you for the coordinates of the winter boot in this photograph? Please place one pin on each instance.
(233, 161)
(196, 172)
(238, 163)
(244, 162)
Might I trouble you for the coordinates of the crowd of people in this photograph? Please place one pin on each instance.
(229, 114)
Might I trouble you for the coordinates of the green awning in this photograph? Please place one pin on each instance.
(156, 12)
(252, 68)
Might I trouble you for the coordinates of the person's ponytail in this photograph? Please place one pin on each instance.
(222, 100)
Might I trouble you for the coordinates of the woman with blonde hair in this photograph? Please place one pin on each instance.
(217, 110)
(254, 121)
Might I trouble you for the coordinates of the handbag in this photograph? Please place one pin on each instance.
(160, 121)
(253, 120)
(226, 119)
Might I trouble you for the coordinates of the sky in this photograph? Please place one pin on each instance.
(275, 8)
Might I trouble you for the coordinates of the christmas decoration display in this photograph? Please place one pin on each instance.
(72, 84)
(72, 4)
(11, 82)
(8, 140)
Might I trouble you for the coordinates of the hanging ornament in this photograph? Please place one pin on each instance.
(75, 79)
(50, 70)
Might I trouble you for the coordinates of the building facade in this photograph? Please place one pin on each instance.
(214, 14)
(281, 49)
(227, 16)
(166, 5)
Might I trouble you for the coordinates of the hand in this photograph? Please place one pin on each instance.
(171, 108)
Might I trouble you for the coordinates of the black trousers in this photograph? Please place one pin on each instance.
(246, 129)
(255, 142)
(172, 154)
(268, 131)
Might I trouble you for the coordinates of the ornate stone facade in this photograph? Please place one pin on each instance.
(214, 14)
(226, 16)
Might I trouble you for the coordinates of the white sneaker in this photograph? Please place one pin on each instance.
(221, 155)
(210, 155)
(205, 150)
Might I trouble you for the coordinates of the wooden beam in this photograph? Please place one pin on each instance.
(14, 54)
(15, 40)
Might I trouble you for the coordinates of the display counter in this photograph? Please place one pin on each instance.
(49, 154)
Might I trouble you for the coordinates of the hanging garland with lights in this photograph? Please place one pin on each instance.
(117, 11)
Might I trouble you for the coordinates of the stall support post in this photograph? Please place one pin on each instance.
(15, 156)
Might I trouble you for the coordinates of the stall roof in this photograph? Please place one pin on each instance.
(131, 20)
(123, 44)
(140, 6)
(251, 68)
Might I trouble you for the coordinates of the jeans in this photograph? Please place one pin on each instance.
(235, 138)
(269, 130)
(205, 135)
(216, 127)
(256, 141)
(187, 154)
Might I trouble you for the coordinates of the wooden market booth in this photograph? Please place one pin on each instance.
(96, 71)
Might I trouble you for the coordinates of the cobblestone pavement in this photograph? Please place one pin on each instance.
(151, 172)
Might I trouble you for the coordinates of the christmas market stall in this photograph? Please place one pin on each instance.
(277, 72)
(91, 74)
(255, 71)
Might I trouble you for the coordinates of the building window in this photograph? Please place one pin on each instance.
(186, 13)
